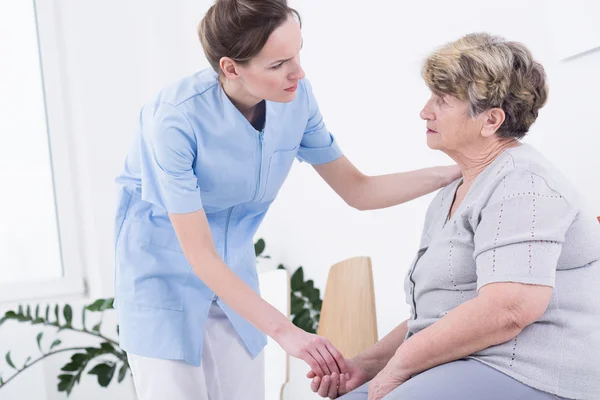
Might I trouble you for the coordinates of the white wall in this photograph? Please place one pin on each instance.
(363, 59)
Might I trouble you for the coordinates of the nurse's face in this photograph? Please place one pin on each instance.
(273, 74)
(450, 128)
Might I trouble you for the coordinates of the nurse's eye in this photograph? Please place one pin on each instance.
(277, 66)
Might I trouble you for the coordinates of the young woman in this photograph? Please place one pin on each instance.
(211, 154)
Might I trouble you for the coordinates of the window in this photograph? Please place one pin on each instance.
(38, 246)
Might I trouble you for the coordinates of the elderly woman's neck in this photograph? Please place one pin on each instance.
(473, 161)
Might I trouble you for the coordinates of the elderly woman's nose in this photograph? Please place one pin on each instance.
(426, 112)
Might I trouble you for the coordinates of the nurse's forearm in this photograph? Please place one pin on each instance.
(238, 295)
(372, 192)
(195, 237)
(389, 190)
(196, 240)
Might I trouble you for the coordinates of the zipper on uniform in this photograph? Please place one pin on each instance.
(226, 241)
(259, 168)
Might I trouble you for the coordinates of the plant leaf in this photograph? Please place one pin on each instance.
(101, 305)
(107, 347)
(296, 304)
(95, 306)
(80, 358)
(108, 304)
(48, 313)
(96, 327)
(297, 281)
(314, 295)
(37, 312)
(93, 352)
(56, 315)
(55, 343)
(68, 314)
(298, 317)
(39, 341)
(259, 247)
(9, 315)
(123, 372)
(71, 367)
(309, 285)
(309, 326)
(28, 314)
(104, 372)
(9, 361)
(317, 304)
(66, 383)
(26, 361)
(304, 322)
(280, 266)
(83, 310)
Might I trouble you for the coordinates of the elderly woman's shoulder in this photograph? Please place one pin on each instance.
(526, 172)
(443, 195)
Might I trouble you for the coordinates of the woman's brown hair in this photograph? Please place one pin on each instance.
(239, 29)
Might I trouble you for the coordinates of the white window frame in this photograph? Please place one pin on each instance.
(72, 283)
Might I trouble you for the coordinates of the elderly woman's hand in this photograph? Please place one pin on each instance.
(385, 381)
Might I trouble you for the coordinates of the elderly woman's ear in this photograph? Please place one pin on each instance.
(492, 120)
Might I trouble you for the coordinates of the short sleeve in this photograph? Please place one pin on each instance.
(318, 146)
(168, 153)
(521, 231)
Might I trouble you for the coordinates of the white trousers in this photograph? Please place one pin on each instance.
(227, 371)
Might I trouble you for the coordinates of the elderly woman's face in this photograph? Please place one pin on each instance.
(449, 125)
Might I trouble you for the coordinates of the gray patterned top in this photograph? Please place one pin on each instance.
(521, 221)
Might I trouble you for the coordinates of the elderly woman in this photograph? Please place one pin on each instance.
(504, 288)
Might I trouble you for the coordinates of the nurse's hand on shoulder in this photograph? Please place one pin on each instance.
(449, 173)
(322, 357)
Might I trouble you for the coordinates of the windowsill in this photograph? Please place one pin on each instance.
(11, 293)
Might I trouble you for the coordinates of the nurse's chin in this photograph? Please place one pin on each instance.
(285, 97)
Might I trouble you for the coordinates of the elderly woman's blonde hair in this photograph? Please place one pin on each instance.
(488, 71)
